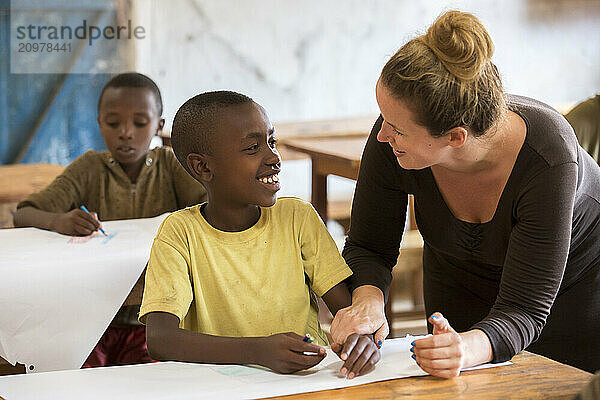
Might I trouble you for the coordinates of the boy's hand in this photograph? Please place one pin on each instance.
(359, 353)
(76, 223)
(284, 353)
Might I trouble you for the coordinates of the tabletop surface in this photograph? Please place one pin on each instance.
(19, 180)
(529, 377)
(333, 127)
(348, 147)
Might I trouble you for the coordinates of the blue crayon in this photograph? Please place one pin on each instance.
(86, 210)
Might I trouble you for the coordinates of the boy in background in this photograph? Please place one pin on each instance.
(232, 281)
(128, 181)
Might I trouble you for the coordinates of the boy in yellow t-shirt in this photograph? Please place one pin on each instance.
(233, 280)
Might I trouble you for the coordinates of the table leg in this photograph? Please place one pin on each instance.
(319, 194)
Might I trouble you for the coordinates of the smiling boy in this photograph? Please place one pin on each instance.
(233, 280)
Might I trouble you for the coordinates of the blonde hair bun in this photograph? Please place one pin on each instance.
(461, 43)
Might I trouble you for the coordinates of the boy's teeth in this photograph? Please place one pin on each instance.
(270, 179)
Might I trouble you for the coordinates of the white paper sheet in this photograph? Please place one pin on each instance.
(58, 294)
(173, 380)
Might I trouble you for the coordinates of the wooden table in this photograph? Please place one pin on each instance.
(18, 181)
(334, 155)
(530, 377)
(334, 146)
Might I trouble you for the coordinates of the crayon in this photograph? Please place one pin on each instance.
(86, 210)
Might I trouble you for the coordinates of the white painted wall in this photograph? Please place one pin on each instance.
(315, 59)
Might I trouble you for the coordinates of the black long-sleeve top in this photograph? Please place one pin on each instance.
(502, 276)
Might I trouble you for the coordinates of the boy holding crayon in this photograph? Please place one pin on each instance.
(233, 280)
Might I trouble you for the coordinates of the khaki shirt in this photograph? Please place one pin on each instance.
(97, 181)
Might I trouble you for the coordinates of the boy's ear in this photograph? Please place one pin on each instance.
(457, 136)
(161, 125)
(200, 167)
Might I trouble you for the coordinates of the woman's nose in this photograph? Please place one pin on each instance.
(383, 136)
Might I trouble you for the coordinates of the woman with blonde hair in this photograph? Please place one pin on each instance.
(507, 202)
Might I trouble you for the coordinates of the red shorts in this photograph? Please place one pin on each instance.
(120, 345)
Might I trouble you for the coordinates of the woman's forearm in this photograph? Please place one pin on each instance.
(368, 293)
(366, 315)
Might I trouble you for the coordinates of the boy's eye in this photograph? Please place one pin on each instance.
(112, 124)
(253, 147)
(140, 123)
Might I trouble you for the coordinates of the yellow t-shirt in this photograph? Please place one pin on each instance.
(257, 282)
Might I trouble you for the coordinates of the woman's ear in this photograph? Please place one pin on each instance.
(200, 167)
(457, 136)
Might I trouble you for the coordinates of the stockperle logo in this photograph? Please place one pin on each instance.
(82, 32)
(92, 39)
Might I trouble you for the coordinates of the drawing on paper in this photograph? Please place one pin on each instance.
(96, 236)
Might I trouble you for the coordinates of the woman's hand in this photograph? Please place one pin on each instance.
(365, 316)
(446, 352)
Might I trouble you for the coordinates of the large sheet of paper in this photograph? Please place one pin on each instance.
(59, 293)
(174, 380)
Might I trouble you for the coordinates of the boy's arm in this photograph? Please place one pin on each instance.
(75, 222)
(359, 352)
(337, 297)
(283, 352)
